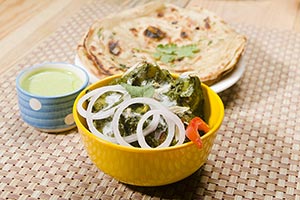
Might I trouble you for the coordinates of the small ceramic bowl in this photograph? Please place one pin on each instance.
(151, 167)
(46, 94)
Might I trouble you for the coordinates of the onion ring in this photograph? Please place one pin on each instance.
(90, 116)
(156, 110)
(153, 105)
(139, 129)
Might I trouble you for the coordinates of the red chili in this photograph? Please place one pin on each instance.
(192, 130)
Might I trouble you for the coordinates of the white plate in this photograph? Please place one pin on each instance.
(225, 83)
(231, 78)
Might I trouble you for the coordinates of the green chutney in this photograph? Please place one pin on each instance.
(51, 82)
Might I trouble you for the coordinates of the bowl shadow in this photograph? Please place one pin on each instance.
(188, 188)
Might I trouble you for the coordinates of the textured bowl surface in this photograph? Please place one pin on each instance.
(49, 113)
(151, 167)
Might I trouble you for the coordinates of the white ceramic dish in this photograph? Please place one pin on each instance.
(231, 78)
(225, 83)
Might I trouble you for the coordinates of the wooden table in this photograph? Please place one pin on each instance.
(24, 24)
(257, 149)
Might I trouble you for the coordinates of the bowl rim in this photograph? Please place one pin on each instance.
(145, 150)
(54, 65)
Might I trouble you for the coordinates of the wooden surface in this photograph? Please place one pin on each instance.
(256, 151)
(24, 24)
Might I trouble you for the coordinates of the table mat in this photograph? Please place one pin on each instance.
(255, 155)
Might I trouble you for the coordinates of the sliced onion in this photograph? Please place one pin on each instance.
(149, 129)
(96, 94)
(175, 125)
(180, 134)
(169, 116)
(122, 106)
(90, 116)
(139, 130)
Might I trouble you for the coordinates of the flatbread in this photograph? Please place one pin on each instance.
(115, 43)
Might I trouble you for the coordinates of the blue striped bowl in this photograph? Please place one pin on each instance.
(49, 113)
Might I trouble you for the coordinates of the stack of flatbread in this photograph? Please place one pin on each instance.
(178, 39)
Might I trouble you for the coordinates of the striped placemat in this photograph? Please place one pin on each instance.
(255, 156)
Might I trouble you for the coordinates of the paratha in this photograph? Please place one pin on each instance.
(178, 39)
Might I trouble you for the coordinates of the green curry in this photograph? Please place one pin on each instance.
(182, 95)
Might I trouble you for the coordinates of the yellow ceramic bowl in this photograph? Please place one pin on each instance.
(150, 167)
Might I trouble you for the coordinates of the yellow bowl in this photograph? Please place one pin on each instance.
(150, 167)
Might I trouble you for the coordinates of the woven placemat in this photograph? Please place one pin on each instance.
(255, 156)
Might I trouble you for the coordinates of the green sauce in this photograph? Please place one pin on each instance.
(51, 82)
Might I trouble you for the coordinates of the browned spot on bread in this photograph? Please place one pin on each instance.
(154, 33)
(114, 47)
(207, 23)
(134, 31)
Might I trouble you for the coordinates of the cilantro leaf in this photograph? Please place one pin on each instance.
(168, 53)
(187, 51)
(157, 55)
(139, 91)
(167, 49)
(166, 58)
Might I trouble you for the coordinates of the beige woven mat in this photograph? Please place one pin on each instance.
(255, 156)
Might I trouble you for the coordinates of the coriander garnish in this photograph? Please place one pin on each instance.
(139, 91)
(170, 52)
